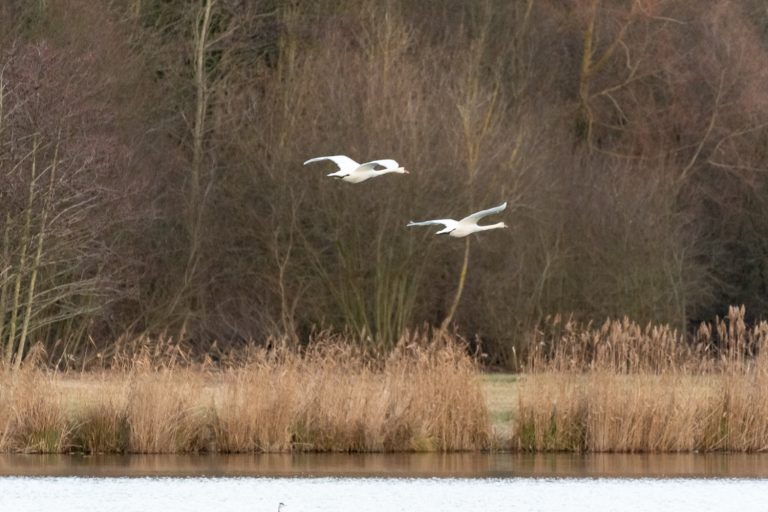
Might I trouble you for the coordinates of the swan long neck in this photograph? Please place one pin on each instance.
(399, 170)
(491, 226)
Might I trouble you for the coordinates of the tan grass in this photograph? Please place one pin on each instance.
(167, 413)
(629, 389)
(424, 396)
(255, 409)
(33, 418)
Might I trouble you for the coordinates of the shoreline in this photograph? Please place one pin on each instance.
(424, 397)
(549, 412)
(377, 465)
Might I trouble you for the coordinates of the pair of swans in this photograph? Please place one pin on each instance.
(353, 172)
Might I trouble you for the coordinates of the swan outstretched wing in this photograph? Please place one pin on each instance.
(484, 213)
(448, 223)
(386, 164)
(343, 162)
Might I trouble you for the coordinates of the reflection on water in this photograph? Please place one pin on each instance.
(26, 494)
(470, 465)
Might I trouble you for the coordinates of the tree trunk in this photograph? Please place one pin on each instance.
(457, 298)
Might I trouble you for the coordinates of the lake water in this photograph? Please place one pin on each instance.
(422, 482)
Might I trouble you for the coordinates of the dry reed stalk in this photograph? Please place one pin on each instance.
(552, 412)
(445, 395)
(164, 412)
(623, 388)
(5, 410)
(647, 413)
(254, 409)
(424, 397)
(341, 412)
(346, 404)
(743, 409)
(100, 411)
(35, 420)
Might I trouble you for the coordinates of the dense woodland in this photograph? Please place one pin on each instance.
(151, 178)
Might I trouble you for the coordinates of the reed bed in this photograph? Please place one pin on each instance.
(423, 396)
(624, 388)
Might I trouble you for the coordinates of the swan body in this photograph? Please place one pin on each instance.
(353, 172)
(465, 226)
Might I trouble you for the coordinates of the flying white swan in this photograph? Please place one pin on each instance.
(465, 226)
(353, 172)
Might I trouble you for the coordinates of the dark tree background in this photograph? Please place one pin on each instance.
(151, 178)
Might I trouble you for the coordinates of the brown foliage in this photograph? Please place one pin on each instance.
(628, 136)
